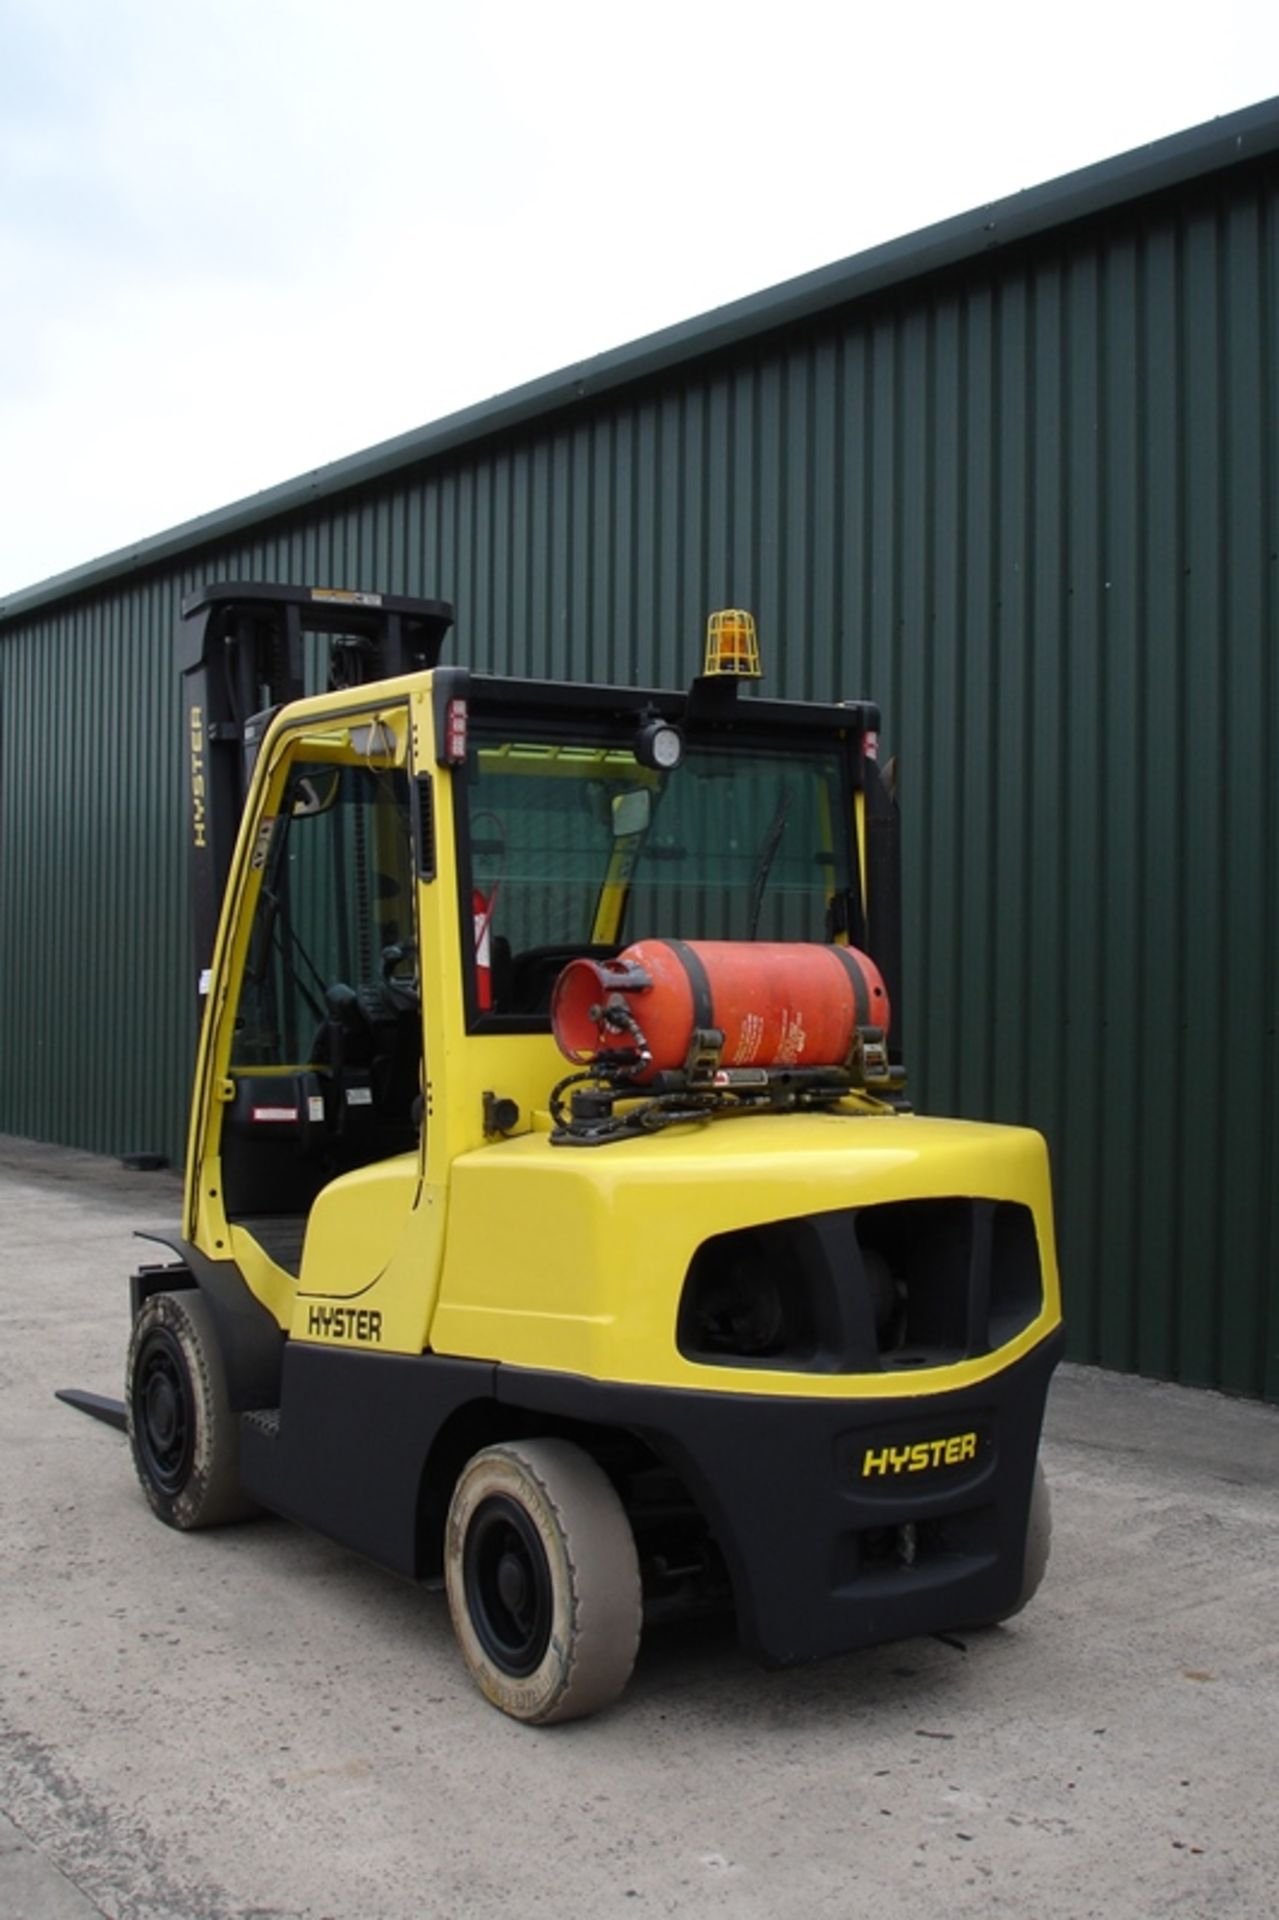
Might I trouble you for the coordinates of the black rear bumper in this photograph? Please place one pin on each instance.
(844, 1523)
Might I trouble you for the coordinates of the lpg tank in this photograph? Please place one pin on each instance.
(778, 1004)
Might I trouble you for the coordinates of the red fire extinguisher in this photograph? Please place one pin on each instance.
(482, 915)
(489, 841)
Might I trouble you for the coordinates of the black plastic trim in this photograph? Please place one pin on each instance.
(776, 1478)
(252, 1343)
(350, 1451)
(556, 703)
(422, 803)
(884, 897)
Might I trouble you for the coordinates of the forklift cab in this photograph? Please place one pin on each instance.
(569, 821)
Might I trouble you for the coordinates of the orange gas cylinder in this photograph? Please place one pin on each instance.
(777, 1004)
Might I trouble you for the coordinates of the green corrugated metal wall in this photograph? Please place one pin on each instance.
(1030, 506)
(95, 1027)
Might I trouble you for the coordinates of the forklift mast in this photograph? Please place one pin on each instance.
(240, 654)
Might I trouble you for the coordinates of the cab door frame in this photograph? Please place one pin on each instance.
(329, 726)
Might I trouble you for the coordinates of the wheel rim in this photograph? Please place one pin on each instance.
(507, 1579)
(164, 1412)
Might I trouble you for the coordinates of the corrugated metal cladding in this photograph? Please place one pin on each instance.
(1029, 504)
(96, 1026)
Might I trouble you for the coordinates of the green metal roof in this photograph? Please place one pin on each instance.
(1233, 140)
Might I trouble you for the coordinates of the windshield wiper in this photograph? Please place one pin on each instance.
(767, 855)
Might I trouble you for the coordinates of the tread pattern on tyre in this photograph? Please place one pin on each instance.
(597, 1612)
(212, 1494)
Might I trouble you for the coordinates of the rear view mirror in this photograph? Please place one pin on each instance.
(314, 793)
(631, 813)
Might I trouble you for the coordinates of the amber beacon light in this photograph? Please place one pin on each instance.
(732, 645)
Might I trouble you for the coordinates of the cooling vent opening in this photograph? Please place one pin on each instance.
(911, 1283)
(761, 1297)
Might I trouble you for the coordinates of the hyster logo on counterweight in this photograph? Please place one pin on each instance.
(344, 1323)
(919, 1457)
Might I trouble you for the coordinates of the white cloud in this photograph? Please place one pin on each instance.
(237, 242)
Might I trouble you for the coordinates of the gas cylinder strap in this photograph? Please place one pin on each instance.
(861, 999)
(699, 984)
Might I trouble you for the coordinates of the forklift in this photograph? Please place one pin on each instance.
(556, 1223)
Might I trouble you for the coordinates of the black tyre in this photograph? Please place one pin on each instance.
(183, 1435)
(543, 1580)
(1039, 1539)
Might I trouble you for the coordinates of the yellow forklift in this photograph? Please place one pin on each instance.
(555, 1220)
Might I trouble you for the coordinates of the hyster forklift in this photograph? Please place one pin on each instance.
(555, 1219)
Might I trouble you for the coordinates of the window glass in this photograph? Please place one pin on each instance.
(575, 847)
(740, 848)
(336, 902)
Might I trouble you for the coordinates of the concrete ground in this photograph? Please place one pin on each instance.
(254, 1725)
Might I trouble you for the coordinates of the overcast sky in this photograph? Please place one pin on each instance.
(241, 239)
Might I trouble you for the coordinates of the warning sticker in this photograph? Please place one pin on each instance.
(748, 1044)
(275, 1113)
(343, 597)
(262, 845)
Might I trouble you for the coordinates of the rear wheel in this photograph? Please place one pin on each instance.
(182, 1432)
(1039, 1539)
(543, 1580)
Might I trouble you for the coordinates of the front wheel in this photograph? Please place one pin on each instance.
(182, 1432)
(543, 1580)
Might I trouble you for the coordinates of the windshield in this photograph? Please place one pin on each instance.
(580, 849)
